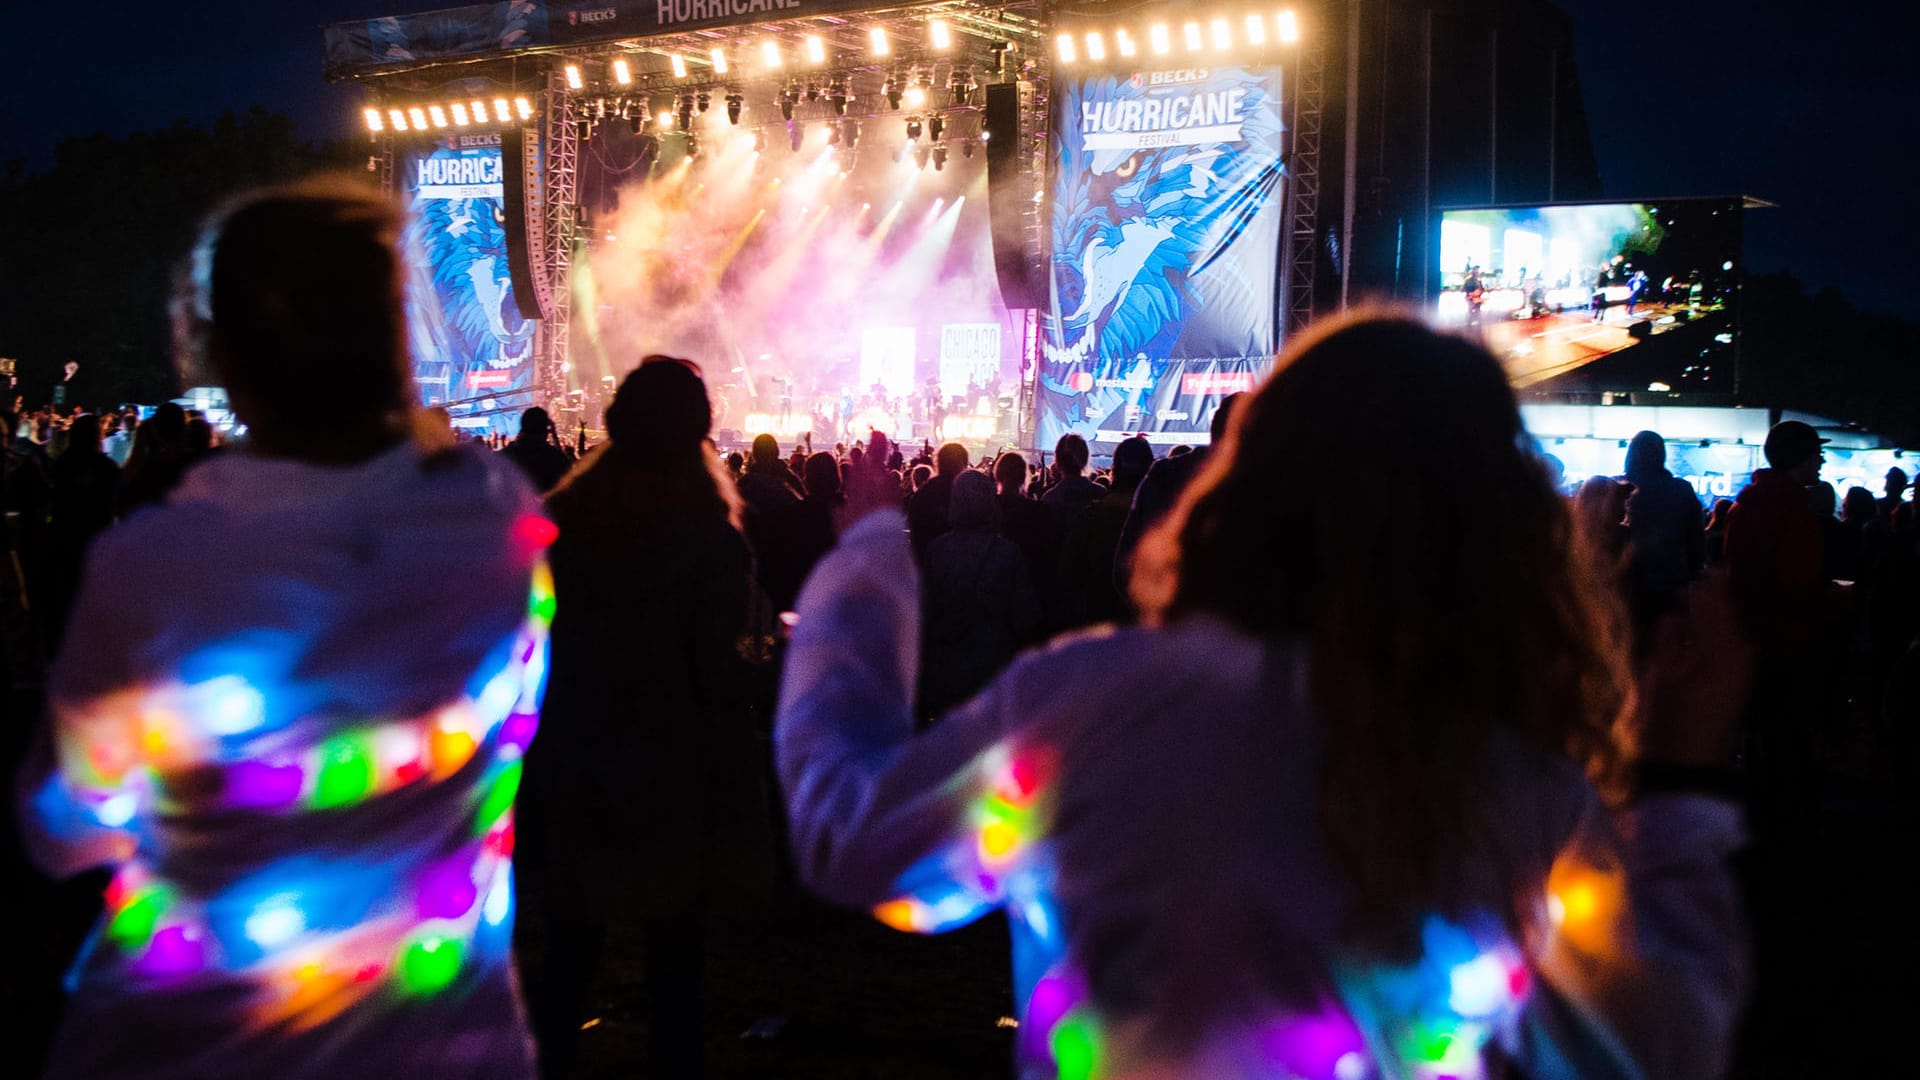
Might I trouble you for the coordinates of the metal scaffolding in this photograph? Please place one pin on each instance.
(1303, 168)
(554, 218)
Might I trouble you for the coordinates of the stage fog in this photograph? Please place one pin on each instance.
(824, 273)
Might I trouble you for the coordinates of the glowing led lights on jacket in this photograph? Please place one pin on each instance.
(315, 935)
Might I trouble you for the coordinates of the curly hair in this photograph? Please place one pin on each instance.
(1435, 612)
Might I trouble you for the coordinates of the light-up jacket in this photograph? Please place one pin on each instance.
(1142, 804)
(290, 716)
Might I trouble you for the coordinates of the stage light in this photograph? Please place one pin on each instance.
(734, 102)
(635, 123)
(1222, 35)
(679, 65)
(479, 109)
(574, 81)
(1123, 43)
(719, 61)
(1067, 52)
(759, 141)
(374, 123)
(893, 93)
(459, 112)
(878, 38)
(1192, 32)
(693, 147)
(995, 52)
(913, 128)
(919, 155)
(1096, 47)
(1288, 26)
(622, 74)
(1256, 30)
(795, 136)
(816, 50)
(770, 53)
(916, 96)
(703, 100)
(939, 158)
(501, 110)
(833, 136)
(961, 86)
(418, 117)
(523, 108)
(936, 126)
(939, 34)
(1161, 39)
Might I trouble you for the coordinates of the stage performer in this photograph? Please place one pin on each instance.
(294, 698)
(1333, 811)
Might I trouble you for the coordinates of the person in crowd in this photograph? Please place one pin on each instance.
(1839, 545)
(1085, 588)
(537, 451)
(118, 443)
(1787, 606)
(160, 457)
(767, 485)
(919, 476)
(801, 534)
(1895, 487)
(1600, 510)
(1716, 542)
(1027, 522)
(84, 482)
(981, 605)
(1335, 809)
(646, 804)
(736, 465)
(927, 507)
(291, 707)
(200, 438)
(1666, 544)
(1165, 481)
(1072, 491)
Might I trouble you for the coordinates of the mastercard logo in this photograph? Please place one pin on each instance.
(1081, 381)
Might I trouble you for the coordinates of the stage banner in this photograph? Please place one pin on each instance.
(1166, 226)
(367, 45)
(464, 329)
(575, 22)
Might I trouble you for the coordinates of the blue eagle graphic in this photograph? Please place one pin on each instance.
(461, 314)
(1159, 254)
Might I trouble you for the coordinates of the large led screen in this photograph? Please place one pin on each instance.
(1553, 288)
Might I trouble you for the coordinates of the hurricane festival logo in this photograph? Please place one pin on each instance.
(679, 11)
(1161, 173)
(463, 314)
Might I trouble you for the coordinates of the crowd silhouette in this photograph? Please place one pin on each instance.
(1269, 776)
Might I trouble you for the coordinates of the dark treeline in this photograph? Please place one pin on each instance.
(88, 246)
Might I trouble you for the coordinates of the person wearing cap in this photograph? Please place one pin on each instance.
(1786, 604)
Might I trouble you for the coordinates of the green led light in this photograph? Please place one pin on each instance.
(499, 797)
(132, 926)
(346, 770)
(428, 963)
(1075, 1046)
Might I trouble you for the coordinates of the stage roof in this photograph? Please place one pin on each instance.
(367, 47)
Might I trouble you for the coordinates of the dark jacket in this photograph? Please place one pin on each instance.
(543, 462)
(980, 603)
(1667, 538)
(1085, 585)
(647, 754)
(1157, 494)
(927, 513)
(1774, 562)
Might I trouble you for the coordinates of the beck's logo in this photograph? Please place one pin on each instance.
(1170, 78)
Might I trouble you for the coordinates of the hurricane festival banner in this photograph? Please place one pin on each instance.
(465, 331)
(1166, 229)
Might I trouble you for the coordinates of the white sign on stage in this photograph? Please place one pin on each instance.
(969, 354)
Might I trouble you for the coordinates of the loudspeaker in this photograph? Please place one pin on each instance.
(513, 205)
(1006, 201)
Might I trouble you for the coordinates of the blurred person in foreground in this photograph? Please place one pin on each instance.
(292, 702)
(1338, 809)
(646, 805)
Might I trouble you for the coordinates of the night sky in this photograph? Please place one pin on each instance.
(1809, 106)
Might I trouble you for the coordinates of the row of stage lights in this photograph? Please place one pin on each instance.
(1217, 35)
(772, 56)
(457, 114)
